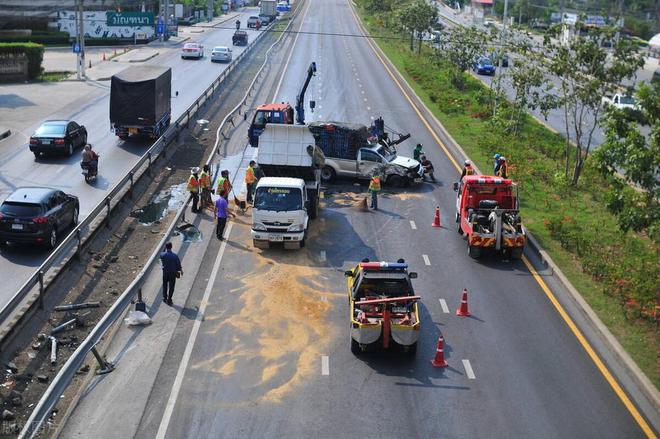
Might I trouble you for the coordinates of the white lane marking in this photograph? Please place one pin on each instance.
(325, 365)
(322, 256)
(362, 91)
(183, 365)
(369, 108)
(365, 99)
(286, 66)
(413, 225)
(426, 259)
(443, 305)
(468, 369)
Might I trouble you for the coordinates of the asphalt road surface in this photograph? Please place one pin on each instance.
(271, 357)
(18, 166)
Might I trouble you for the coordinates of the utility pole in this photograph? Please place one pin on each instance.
(166, 30)
(209, 10)
(81, 41)
(501, 52)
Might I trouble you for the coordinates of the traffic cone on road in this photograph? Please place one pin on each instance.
(436, 220)
(463, 309)
(439, 360)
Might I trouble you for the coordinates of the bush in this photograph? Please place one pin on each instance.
(33, 51)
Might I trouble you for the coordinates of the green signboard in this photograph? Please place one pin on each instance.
(130, 18)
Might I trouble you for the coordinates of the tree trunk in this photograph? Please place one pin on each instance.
(412, 41)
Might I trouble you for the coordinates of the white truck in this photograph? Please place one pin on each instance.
(620, 101)
(287, 197)
(268, 9)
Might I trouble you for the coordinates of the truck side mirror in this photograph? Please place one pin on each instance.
(455, 186)
(348, 273)
(412, 275)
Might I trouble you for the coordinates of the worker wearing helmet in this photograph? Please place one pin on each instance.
(193, 188)
(502, 170)
(468, 169)
(496, 165)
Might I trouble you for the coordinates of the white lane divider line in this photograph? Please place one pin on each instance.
(468, 369)
(443, 305)
(322, 256)
(426, 260)
(413, 225)
(325, 365)
(183, 365)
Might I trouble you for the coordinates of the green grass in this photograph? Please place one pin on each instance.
(606, 265)
(53, 76)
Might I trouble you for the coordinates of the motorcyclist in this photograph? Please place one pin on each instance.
(238, 24)
(90, 158)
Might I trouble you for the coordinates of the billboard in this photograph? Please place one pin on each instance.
(96, 26)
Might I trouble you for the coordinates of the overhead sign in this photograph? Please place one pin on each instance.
(130, 18)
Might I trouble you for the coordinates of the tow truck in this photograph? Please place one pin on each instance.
(488, 214)
(383, 307)
(281, 113)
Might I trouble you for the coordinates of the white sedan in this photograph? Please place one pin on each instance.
(221, 53)
(192, 50)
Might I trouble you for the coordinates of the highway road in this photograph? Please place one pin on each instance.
(19, 168)
(271, 356)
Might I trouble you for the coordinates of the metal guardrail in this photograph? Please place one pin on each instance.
(66, 374)
(76, 238)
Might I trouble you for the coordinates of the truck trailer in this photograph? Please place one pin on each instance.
(140, 101)
(287, 197)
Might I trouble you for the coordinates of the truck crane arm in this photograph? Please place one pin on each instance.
(300, 99)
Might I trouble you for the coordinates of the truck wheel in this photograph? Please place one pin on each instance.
(327, 174)
(355, 347)
(395, 181)
(474, 251)
(460, 229)
(516, 253)
(411, 350)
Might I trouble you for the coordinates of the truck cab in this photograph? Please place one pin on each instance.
(265, 114)
(487, 213)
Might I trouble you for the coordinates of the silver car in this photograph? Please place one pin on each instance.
(221, 54)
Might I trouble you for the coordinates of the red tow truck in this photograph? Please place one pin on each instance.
(488, 214)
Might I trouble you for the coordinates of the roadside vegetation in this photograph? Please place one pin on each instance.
(598, 229)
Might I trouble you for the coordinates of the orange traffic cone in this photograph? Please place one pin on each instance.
(439, 360)
(436, 220)
(463, 309)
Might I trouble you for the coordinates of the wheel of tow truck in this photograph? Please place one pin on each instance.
(327, 174)
(52, 239)
(395, 181)
(517, 253)
(460, 229)
(474, 251)
(355, 347)
(411, 350)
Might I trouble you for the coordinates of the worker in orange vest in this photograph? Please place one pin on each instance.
(224, 183)
(503, 170)
(250, 180)
(205, 186)
(468, 169)
(193, 188)
(374, 188)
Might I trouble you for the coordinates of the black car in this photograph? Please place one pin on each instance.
(240, 38)
(58, 136)
(37, 215)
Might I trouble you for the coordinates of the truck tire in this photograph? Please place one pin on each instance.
(411, 350)
(517, 253)
(328, 174)
(355, 347)
(460, 229)
(395, 181)
(474, 251)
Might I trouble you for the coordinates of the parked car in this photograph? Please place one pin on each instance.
(240, 38)
(283, 7)
(61, 136)
(192, 50)
(221, 53)
(265, 20)
(187, 21)
(252, 21)
(484, 66)
(37, 215)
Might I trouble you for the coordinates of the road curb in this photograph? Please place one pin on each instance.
(5, 133)
(619, 353)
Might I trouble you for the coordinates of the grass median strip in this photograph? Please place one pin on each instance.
(616, 272)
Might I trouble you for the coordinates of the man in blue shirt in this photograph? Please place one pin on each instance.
(171, 266)
(221, 213)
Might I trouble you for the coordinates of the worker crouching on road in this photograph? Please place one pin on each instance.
(374, 188)
(205, 185)
(428, 167)
(250, 180)
(193, 188)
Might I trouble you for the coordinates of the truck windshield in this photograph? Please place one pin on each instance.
(387, 154)
(278, 199)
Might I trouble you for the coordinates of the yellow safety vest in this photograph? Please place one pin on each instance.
(204, 180)
(469, 170)
(193, 184)
(221, 183)
(374, 185)
(249, 175)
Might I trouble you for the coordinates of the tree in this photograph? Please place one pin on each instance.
(417, 18)
(587, 73)
(637, 156)
(460, 46)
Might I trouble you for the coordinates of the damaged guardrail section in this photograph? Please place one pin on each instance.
(64, 377)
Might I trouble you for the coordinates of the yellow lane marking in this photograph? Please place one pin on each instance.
(578, 334)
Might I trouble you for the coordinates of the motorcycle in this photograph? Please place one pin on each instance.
(89, 171)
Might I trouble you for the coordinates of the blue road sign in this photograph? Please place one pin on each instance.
(76, 47)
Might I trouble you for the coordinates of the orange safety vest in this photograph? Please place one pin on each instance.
(502, 171)
(469, 170)
(374, 185)
(249, 175)
(204, 180)
(193, 185)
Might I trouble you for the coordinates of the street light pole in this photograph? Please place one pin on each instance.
(81, 41)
